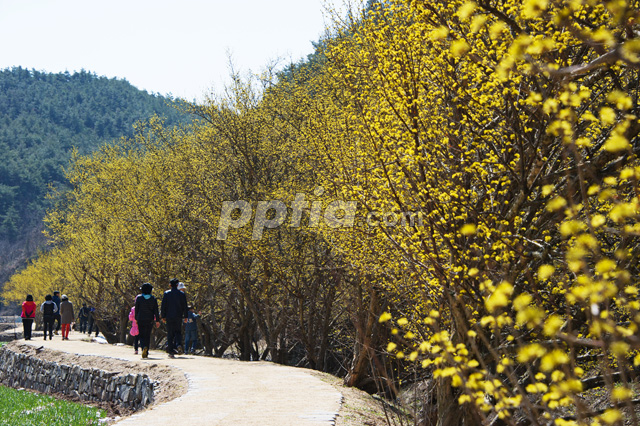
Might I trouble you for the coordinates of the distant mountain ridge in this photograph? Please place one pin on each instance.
(43, 116)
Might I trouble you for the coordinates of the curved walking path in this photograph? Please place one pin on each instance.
(224, 392)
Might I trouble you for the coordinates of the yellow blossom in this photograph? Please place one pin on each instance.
(552, 359)
(611, 416)
(556, 204)
(466, 10)
(500, 297)
(552, 325)
(533, 8)
(530, 352)
(616, 143)
(459, 47)
(386, 316)
(605, 265)
(545, 271)
(598, 220)
(468, 229)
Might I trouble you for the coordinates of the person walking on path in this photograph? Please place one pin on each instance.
(146, 313)
(28, 315)
(174, 313)
(56, 300)
(66, 316)
(49, 311)
(92, 321)
(83, 318)
(134, 329)
(178, 340)
(191, 331)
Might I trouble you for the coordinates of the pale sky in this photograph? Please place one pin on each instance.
(167, 47)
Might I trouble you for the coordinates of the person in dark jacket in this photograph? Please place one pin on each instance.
(191, 331)
(28, 315)
(83, 318)
(92, 324)
(178, 341)
(56, 300)
(146, 313)
(174, 313)
(49, 311)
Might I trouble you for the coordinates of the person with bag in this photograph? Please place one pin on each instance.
(66, 316)
(146, 313)
(134, 329)
(49, 310)
(28, 315)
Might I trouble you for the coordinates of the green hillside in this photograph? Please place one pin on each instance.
(43, 116)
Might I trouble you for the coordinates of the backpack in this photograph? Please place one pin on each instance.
(84, 314)
(47, 310)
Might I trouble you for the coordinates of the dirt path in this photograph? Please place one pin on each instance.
(215, 391)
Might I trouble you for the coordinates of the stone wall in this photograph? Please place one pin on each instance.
(17, 370)
(7, 332)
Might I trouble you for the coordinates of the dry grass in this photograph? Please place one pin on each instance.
(358, 407)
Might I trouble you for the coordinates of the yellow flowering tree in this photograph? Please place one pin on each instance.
(491, 149)
(512, 126)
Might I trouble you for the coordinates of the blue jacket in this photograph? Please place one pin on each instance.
(56, 300)
(174, 305)
(191, 324)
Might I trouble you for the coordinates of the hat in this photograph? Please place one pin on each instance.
(174, 282)
(64, 297)
(181, 286)
(190, 307)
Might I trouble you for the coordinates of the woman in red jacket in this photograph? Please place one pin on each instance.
(28, 315)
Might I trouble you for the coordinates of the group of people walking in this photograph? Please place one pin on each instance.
(173, 311)
(144, 315)
(55, 310)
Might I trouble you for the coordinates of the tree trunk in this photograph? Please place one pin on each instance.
(244, 341)
(112, 338)
(124, 322)
(449, 412)
(207, 339)
(364, 367)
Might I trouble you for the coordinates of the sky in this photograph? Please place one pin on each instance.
(181, 48)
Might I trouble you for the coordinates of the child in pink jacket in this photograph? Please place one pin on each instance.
(134, 329)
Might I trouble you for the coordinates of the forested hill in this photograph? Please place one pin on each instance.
(43, 116)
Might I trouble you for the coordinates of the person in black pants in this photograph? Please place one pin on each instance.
(56, 300)
(28, 315)
(49, 310)
(174, 313)
(92, 321)
(146, 314)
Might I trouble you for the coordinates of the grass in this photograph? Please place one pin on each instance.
(20, 407)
